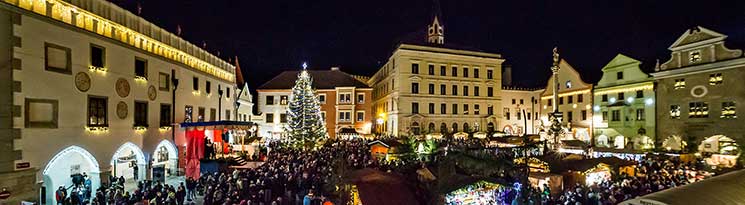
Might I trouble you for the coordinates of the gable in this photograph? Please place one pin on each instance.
(695, 36)
(567, 73)
(629, 69)
(620, 60)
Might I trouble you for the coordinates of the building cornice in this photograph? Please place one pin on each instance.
(703, 68)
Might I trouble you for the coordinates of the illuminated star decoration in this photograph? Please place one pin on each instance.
(305, 65)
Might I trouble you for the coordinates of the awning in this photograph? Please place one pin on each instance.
(348, 130)
(219, 124)
(725, 189)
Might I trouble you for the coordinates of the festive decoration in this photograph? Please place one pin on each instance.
(305, 125)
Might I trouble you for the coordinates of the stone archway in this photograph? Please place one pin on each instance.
(165, 160)
(443, 128)
(490, 127)
(431, 127)
(71, 161)
(129, 161)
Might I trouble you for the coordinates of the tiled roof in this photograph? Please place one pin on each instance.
(322, 79)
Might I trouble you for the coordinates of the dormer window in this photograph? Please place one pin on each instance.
(694, 56)
(569, 84)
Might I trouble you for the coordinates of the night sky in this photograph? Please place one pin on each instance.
(276, 35)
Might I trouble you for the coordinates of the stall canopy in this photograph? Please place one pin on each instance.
(218, 124)
(195, 140)
(376, 187)
(725, 189)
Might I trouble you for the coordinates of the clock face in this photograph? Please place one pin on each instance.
(121, 110)
(82, 81)
(152, 93)
(122, 87)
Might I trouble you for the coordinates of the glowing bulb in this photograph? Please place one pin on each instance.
(630, 99)
(612, 100)
(574, 106)
(596, 108)
(649, 101)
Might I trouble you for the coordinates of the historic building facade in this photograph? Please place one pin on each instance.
(521, 109)
(429, 86)
(346, 102)
(700, 90)
(624, 106)
(91, 88)
(574, 102)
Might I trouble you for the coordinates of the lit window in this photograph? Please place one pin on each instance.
(569, 84)
(715, 79)
(680, 83)
(698, 110)
(283, 100)
(675, 111)
(639, 114)
(616, 115)
(694, 56)
(728, 110)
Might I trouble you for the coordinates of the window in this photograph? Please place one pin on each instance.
(360, 116)
(476, 90)
(490, 92)
(640, 94)
(283, 100)
(269, 100)
(269, 118)
(580, 98)
(322, 98)
(583, 115)
(455, 109)
(195, 84)
(465, 90)
(454, 71)
(465, 72)
(443, 108)
(431, 89)
(227, 93)
(347, 97)
(675, 111)
(568, 84)
(431, 69)
(57, 58)
(213, 114)
(605, 98)
(414, 68)
(455, 90)
(615, 115)
(529, 116)
(679, 84)
(465, 109)
(569, 116)
(141, 68)
(475, 73)
(715, 79)
(507, 113)
(208, 86)
(442, 70)
(188, 111)
(345, 116)
(431, 108)
(619, 75)
(728, 110)
(561, 100)
(360, 98)
(570, 99)
(621, 96)
(200, 114)
(640, 114)
(476, 109)
(698, 110)
(165, 115)
(442, 89)
(694, 56)
(97, 111)
(164, 81)
(98, 56)
(489, 74)
(323, 115)
(605, 116)
(514, 101)
(490, 110)
(414, 108)
(283, 118)
(414, 88)
(550, 102)
(522, 102)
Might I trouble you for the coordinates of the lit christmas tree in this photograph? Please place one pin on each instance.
(305, 126)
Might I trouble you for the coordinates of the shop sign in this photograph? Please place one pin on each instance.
(23, 165)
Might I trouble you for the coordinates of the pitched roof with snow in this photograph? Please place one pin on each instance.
(322, 79)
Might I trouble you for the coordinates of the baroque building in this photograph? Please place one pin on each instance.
(700, 91)
(90, 88)
(624, 106)
(346, 103)
(574, 102)
(521, 109)
(429, 86)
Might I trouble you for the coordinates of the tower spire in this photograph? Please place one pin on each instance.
(436, 30)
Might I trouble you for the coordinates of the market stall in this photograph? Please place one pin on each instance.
(208, 140)
(478, 193)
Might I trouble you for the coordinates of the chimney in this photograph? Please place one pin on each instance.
(506, 74)
(335, 68)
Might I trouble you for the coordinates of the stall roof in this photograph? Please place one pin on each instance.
(215, 123)
(348, 130)
(725, 189)
(376, 187)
